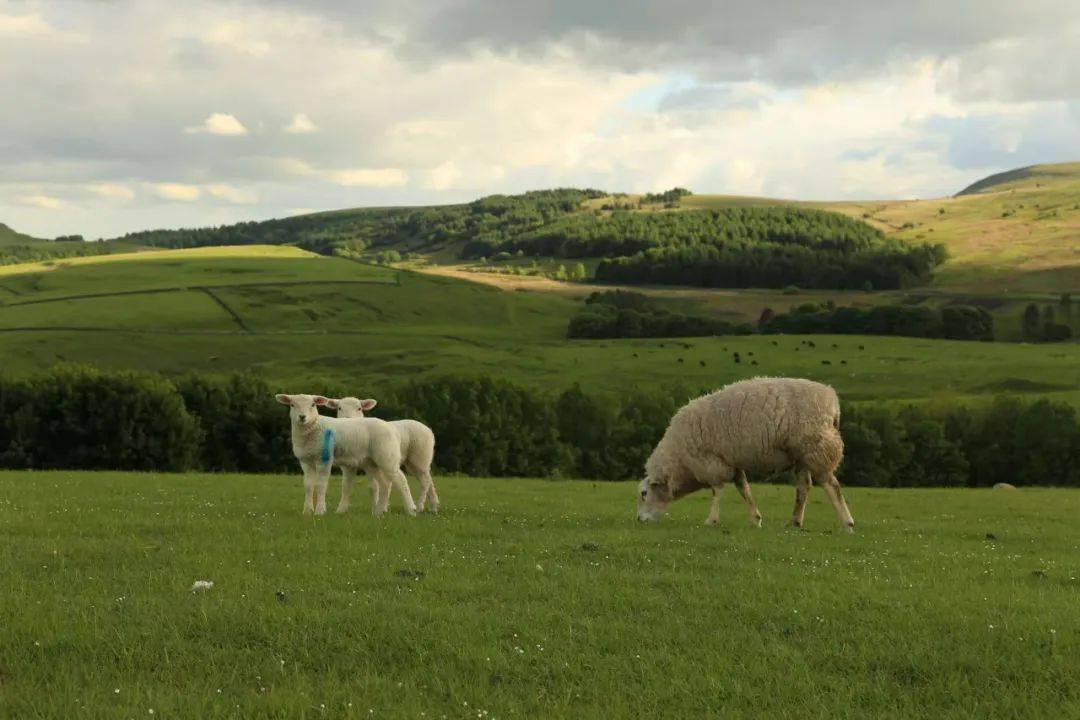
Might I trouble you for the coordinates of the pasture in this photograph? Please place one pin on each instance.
(530, 599)
(289, 316)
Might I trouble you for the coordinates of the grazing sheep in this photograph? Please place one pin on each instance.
(417, 449)
(758, 425)
(354, 443)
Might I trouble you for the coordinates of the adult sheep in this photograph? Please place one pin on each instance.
(417, 448)
(355, 443)
(758, 425)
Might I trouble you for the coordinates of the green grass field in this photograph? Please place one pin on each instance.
(291, 318)
(530, 599)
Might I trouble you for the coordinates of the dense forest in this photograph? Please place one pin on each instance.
(732, 247)
(493, 427)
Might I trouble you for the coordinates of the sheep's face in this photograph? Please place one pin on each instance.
(654, 496)
(350, 407)
(303, 409)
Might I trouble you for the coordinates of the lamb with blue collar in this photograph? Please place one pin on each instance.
(369, 444)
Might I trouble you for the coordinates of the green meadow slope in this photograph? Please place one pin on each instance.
(289, 315)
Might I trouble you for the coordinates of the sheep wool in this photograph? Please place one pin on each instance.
(417, 447)
(367, 444)
(763, 425)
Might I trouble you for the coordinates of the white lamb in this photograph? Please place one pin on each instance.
(417, 447)
(354, 443)
(758, 425)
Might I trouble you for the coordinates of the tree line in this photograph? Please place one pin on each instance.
(952, 322)
(493, 219)
(628, 314)
(76, 417)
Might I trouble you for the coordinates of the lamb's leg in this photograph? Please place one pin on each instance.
(322, 480)
(802, 490)
(744, 490)
(408, 469)
(309, 488)
(714, 507)
(429, 493)
(398, 478)
(348, 476)
(832, 489)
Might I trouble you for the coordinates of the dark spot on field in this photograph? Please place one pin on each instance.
(702, 363)
(590, 546)
(407, 574)
(1041, 574)
(281, 596)
(991, 537)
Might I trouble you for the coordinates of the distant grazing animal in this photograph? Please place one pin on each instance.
(364, 444)
(417, 443)
(758, 425)
(1004, 486)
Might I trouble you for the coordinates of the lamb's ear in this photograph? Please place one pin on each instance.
(368, 404)
(284, 399)
(321, 401)
(332, 403)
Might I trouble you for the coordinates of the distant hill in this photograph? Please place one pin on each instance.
(11, 237)
(1026, 175)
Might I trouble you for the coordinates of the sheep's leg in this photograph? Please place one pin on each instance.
(398, 478)
(376, 493)
(744, 490)
(429, 493)
(832, 489)
(322, 480)
(348, 476)
(309, 488)
(714, 507)
(802, 490)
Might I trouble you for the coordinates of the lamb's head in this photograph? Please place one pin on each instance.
(654, 496)
(303, 409)
(350, 407)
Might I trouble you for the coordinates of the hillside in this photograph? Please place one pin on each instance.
(287, 315)
(11, 237)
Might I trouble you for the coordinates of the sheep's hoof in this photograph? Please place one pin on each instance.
(320, 511)
(711, 521)
(850, 529)
(756, 522)
(796, 524)
(433, 509)
(308, 510)
(342, 509)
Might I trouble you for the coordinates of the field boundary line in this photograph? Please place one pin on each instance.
(198, 288)
(224, 306)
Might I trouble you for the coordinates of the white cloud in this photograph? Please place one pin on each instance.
(301, 124)
(370, 177)
(234, 195)
(45, 202)
(112, 191)
(177, 191)
(444, 176)
(219, 124)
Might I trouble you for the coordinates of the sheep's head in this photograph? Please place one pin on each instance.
(350, 407)
(303, 409)
(654, 496)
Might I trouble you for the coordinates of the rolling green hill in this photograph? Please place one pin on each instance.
(11, 237)
(288, 315)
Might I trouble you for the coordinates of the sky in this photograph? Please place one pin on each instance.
(121, 115)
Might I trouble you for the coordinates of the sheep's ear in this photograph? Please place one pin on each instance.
(332, 403)
(284, 399)
(368, 404)
(321, 401)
